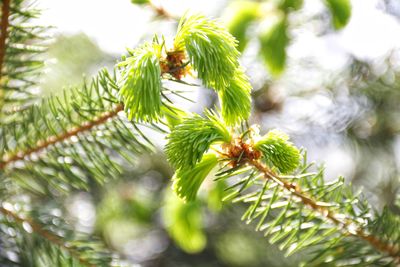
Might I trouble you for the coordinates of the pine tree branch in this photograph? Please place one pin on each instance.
(53, 140)
(77, 137)
(38, 229)
(5, 12)
(21, 44)
(4, 23)
(345, 225)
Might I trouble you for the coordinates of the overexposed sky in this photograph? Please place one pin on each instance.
(371, 33)
(113, 24)
(116, 25)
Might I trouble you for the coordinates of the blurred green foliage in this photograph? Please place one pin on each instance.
(70, 59)
(238, 17)
(340, 11)
(273, 42)
(184, 223)
(271, 21)
(288, 5)
(140, 2)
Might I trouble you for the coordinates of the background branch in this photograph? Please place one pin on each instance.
(7, 159)
(38, 229)
(5, 13)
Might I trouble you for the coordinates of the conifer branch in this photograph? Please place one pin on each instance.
(43, 144)
(334, 213)
(344, 225)
(5, 12)
(80, 128)
(38, 229)
(21, 44)
(43, 137)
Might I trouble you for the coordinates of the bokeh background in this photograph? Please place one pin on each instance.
(338, 97)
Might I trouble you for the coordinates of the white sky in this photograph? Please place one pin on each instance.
(370, 33)
(118, 24)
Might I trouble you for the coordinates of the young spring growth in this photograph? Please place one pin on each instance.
(141, 83)
(278, 151)
(211, 49)
(236, 99)
(188, 181)
(175, 64)
(192, 138)
(173, 115)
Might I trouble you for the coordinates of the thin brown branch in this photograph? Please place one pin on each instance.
(389, 249)
(52, 140)
(4, 23)
(38, 229)
(5, 13)
(161, 12)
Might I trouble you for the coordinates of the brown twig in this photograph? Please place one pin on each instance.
(161, 12)
(38, 229)
(5, 13)
(43, 144)
(389, 249)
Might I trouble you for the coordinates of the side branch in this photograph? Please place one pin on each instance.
(52, 140)
(4, 23)
(161, 12)
(389, 249)
(38, 229)
(5, 13)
